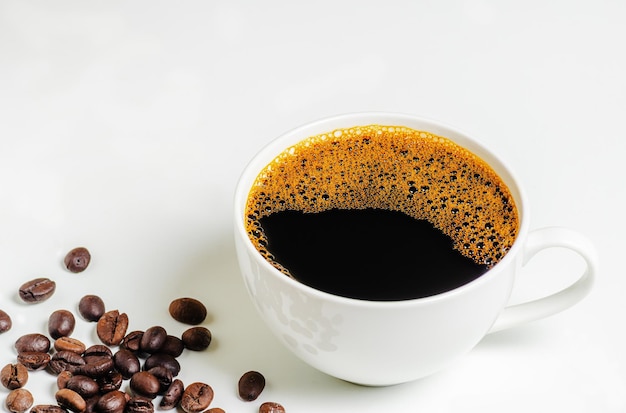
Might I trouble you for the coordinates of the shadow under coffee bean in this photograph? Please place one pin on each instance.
(381, 213)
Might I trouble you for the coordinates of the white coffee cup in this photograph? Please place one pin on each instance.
(389, 342)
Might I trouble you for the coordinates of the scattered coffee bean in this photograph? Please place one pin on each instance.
(62, 379)
(172, 395)
(251, 384)
(139, 405)
(98, 361)
(32, 342)
(126, 362)
(34, 360)
(89, 380)
(145, 384)
(14, 376)
(70, 400)
(188, 310)
(111, 327)
(163, 360)
(47, 408)
(69, 344)
(5, 322)
(173, 346)
(19, 400)
(196, 338)
(271, 407)
(83, 385)
(152, 339)
(91, 307)
(196, 397)
(97, 366)
(112, 402)
(110, 381)
(91, 403)
(97, 351)
(132, 341)
(61, 323)
(164, 376)
(66, 360)
(77, 259)
(37, 290)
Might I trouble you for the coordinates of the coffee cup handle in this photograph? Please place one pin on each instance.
(539, 240)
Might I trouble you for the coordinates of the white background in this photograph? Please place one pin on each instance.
(124, 127)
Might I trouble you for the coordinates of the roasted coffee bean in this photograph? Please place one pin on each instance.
(126, 362)
(61, 323)
(164, 376)
(132, 341)
(91, 403)
(172, 395)
(173, 346)
(70, 400)
(69, 344)
(163, 360)
(66, 360)
(19, 400)
(97, 366)
(97, 350)
(111, 327)
(110, 381)
(271, 407)
(5, 322)
(188, 310)
(152, 339)
(91, 307)
(77, 259)
(196, 338)
(37, 290)
(98, 361)
(83, 385)
(47, 408)
(196, 397)
(62, 379)
(32, 342)
(34, 360)
(14, 376)
(250, 386)
(145, 384)
(215, 410)
(139, 405)
(112, 402)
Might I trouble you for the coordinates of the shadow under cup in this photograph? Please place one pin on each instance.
(375, 342)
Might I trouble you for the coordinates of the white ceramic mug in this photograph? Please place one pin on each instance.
(389, 342)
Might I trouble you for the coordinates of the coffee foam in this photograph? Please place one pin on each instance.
(397, 168)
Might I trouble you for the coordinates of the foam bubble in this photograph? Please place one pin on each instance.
(426, 176)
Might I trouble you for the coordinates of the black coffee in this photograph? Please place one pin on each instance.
(381, 213)
(372, 254)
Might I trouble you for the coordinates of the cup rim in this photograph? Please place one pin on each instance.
(270, 150)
